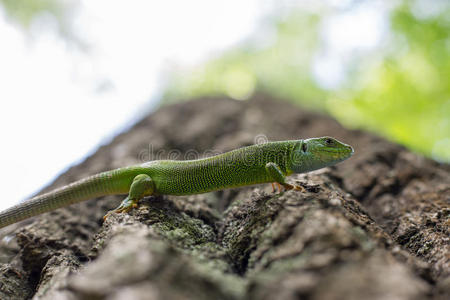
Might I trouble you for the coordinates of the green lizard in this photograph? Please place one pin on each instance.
(264, 163)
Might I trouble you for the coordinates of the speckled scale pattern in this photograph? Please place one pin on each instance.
(236, 168)
(110, 182)
(240, 167)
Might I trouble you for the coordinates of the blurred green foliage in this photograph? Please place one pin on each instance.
(24, 11)
(278, 62)
(407, 95)
(400, 90)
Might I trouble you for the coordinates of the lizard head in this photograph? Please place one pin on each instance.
(315, 153)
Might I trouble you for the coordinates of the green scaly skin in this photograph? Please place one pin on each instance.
(270, 162)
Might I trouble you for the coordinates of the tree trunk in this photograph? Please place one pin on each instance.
(373, 227)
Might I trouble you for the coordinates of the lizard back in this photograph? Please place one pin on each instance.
(243, 166)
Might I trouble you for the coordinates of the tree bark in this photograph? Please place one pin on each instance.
(373, 227)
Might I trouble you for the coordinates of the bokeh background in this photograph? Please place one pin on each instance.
(74, 73)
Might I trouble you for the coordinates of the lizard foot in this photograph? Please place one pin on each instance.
(288, 187)
(275, 186)
(126, 205)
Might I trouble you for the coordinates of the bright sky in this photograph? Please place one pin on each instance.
(57, 103)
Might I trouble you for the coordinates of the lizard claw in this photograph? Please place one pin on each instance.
(126, 205)
(288, 187)
(276, 185)
(299, 188)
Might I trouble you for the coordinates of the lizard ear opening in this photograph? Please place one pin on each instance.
(304, 147)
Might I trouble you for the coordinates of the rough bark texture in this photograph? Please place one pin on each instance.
(373, 227)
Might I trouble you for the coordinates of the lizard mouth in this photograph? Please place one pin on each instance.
(348, 149)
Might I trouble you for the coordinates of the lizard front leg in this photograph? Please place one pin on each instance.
(141, 186)
(275, 173)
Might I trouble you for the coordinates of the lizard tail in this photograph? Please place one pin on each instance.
(101, 184)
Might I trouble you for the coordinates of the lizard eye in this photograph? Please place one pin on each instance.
(304, 147)
(328, 141)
